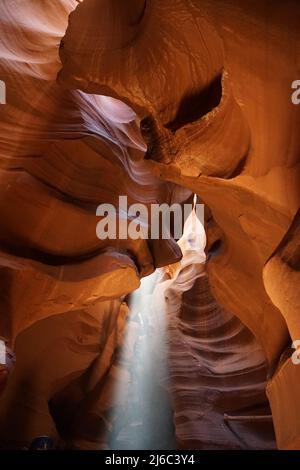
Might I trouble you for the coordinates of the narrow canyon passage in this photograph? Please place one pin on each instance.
(190, 364)
(110, 340)
(181, 363)
(146, 420)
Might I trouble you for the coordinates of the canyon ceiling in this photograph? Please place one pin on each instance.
(156, 100)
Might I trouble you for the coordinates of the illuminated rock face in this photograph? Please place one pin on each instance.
(173, 98)
(281, 275)
(237, 132)
(62, 154)
(216, 368)
(68, 353)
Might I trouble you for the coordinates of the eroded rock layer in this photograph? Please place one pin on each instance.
(180, 142)
(156, 101)
(62, 154)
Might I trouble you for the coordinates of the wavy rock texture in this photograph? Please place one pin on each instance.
(182, 348)
(281, 275)
(214, 76)
(283, 394)
(149, 98)
(62, 154)
(74, 352)
(281, 278)
(215, 364)
(243, 107)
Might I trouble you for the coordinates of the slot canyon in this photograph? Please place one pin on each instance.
(173, 342)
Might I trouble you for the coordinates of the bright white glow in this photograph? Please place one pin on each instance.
(115, 110)
(2, 352)
(143, 418)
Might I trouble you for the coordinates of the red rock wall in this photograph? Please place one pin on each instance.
(204, 103)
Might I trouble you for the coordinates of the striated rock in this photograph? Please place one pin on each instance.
(120, 67)
(282, 281)
(283, 394)
(282, 278)
(73, 348)
(156, 101)
(223, 139)
(170, 110)
(216, 366)
(61, 155)
(58, 289)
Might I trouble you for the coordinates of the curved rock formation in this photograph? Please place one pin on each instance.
(58, 154)
(282, 281)
(189, 148)
(72, 351)
(217, 368)
(156, 101)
